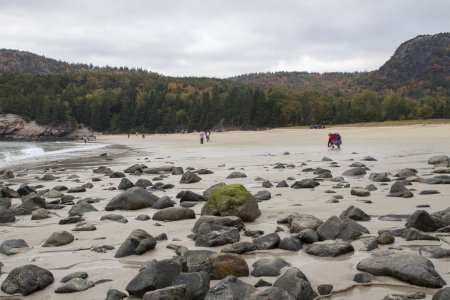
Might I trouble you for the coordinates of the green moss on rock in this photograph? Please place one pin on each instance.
(232, 200)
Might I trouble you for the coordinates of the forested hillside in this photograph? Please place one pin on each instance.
(123, 100)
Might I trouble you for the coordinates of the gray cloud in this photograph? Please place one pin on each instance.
(220, 38)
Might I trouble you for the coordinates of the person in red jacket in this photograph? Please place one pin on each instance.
(334, 139)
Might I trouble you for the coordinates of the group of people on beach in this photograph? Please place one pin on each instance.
(207, 134)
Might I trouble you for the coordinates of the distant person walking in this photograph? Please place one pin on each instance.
(201, 138)
(334, 139)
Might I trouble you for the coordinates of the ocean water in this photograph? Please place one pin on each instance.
(23, 152)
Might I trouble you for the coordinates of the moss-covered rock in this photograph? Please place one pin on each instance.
(232, 200)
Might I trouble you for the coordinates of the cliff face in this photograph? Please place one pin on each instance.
(13, 127)
(425, 57)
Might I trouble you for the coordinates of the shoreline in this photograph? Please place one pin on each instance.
(255, 153)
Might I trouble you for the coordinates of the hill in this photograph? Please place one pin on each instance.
(413, 84)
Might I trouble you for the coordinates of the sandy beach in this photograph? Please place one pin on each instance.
(254, 153)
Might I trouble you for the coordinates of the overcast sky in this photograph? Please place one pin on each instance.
(220, 38)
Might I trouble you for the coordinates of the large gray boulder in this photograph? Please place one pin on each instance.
(231, 288)
(79, 208)
(422, 220)
(74, 285)
(299, 222)
(155, 275)
(379, 177)
(163, 202)
(239, 248)
(197, 283)
(354, 172)
(273, 293)
(337, 228)
(355, 213)
(438, 160)
(305, 184)
(209, 223)
(59, 238)
(399, 190)
(442, 294)
(329, 248)
(6, 215)
(132, 199)
(190, 177)
(137, 243)
(413, 234)
(269, 266)
(268, 241)
(223, 236)
(29, 203)
(295, 283)
(405, 266)
(26, 280)
(232, 200)
(11, 247)
(174, 292)
(174, 214)
(193, 260)
(125, 184)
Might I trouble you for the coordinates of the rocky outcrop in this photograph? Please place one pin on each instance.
(14, 127)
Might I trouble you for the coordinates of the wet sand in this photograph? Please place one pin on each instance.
(255, 154)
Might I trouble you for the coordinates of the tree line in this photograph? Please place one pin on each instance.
(147, 102)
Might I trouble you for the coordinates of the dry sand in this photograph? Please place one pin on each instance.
(255, 154)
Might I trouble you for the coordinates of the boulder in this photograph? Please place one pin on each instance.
(438, 160)
(379, 177)
(363, 277)
(405, 266)
(155, 275)
(191, 196)
(299, 222)
(52, 194)
(70, 220)
(174, 214)
(442, 294)
(422, 220)
(26, 280)
(136, 167)
(29, 203)
(190, 177)
(290, 243)
(230, 288)
(6, 215)
(75, 285)
(239, 248)
(25, 189)
(336, 228)
(232, 200)
(434, 252)
(143, 183)
(132, 199)
(125, 184)
(273, 293)
(262, 196)
(5, 202)
(270, 266)
(355, 213)
(385, 238)
(59, 238)
(221, 265)
(282, 184)
(40, 214)
(163, 202)
(11, 247)
(77, 189)
(296, 284)
(412, 234)
(305, 184)
(85, 227)
(197, 283)
(217, 237)
(399, 190)
(209, 223)
(329, 248)
(211, 188)
(177, 171)
(236, 175)
(175, 292)
(114, 294)
(360, 192)
(137, 243)
(308, 236)
(66, 278)
(116, 175)
(114, 217)
(268, 241)
(193, 260)
(354, 172)
(81, 207)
